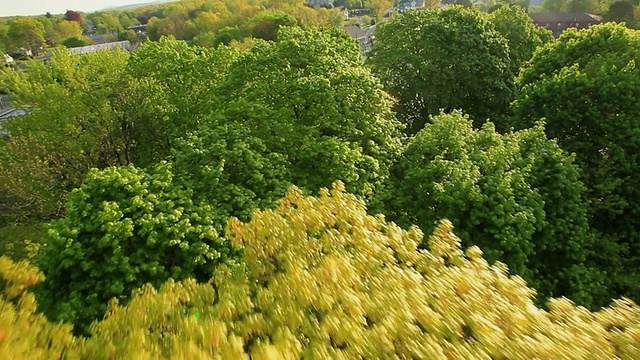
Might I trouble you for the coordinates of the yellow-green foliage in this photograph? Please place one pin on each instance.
(322, 279)
(23, 333)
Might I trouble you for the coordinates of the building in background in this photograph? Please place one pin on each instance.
(559, 22)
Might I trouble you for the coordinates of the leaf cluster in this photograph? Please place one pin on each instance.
(443, 59)
(124, 228)
(517, 196)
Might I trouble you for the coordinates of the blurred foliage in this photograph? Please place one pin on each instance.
(322, 279)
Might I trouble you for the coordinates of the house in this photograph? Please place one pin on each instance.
(7, 60)
(407, 5)
(7, 113)
(363, 35)
(139, 29)
(559, 22)
(315, 3)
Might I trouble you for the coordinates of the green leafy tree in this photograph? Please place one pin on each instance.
(517, 196)
(187, 77)
(66, 29)
(128, 35)
(308, 97)
(48, 24)
(127, 19)
(75, 42)
(227, 35)
(229, 169)
(86, 111)
(124, 228)
(569, 6)
(621, 11)
(266, 25)
(585, 85)
(523, 37)
(68, 131)
(443, 59)
(4, 39)
(106, 23)
(26, 32)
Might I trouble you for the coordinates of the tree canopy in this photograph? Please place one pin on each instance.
(308, 97)
(586, 86)
(517, 196)
(26, 32)
(443, 59)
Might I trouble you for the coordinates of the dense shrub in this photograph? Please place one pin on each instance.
(124, 228)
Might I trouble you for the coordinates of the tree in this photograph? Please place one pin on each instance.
(523, 37)
(308, 97)
(266, 25)
(226, 35)
(49, 30)
(127, 20)
(379, 7)
(621, 11)
(517, 196)
(86, 111)
(229, 169)
(585, 85)
(75, 42)
(188, 78)
(71, 15)
(66, 29)
(26, 32)
(569, 6)
(128, 35)
(450, 58)
(106, 23)
(4, 39)
(142, 19)
(124, 228)
(321, 279)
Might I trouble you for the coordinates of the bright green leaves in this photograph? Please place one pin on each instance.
(308, 98)
(72, 127)
(444, 59)
(123, 228)
(523, 37)
(231, 170)
(517, 196)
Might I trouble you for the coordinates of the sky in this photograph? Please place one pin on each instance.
(40, 7)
